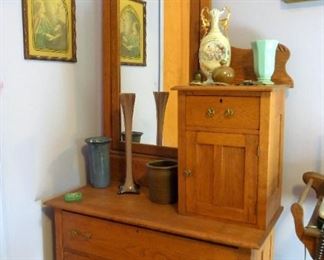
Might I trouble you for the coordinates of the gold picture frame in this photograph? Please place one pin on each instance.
(133, 32)
(49, 30)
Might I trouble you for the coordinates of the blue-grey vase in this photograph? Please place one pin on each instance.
(98, 161)
(264, 56)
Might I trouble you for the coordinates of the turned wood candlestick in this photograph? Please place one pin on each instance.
(127, 101)
(161, 99)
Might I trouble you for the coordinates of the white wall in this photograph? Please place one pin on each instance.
(2, 238)
(143, 80)
(47, 110)
(301, 28)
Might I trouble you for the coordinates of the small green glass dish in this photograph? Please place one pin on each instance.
(73, 196)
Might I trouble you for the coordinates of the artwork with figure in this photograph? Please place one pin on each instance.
(49, 19)
(49, 29)
(132, 32)
(130, 29)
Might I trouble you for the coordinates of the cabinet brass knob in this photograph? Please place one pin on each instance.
(210, 112)
(187, 173)
(229, 112)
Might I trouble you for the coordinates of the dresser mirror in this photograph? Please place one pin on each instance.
(176, 32)
(144, 78)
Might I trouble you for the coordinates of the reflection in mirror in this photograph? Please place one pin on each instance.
(147, 81)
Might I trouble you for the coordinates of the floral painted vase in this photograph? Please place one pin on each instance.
(214, 46)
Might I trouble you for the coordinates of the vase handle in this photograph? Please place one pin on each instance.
(205, 21)
(225, 21)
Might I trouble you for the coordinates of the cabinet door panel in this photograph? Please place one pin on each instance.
(224, 175)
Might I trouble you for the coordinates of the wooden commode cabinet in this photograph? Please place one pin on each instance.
(230, 152)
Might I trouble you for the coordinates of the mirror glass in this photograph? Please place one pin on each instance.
(144, 79)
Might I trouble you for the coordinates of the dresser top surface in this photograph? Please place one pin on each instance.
(231, 88)
(138, 210)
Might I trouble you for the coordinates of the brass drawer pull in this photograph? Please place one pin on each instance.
(229, 112)
(83, 235)
(210, 112)
(187, 173)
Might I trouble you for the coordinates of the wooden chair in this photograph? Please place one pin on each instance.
(310, 234)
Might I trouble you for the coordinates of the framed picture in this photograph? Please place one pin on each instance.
(133, 32)
(49, 29)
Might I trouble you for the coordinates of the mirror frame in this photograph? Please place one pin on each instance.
(111, 80)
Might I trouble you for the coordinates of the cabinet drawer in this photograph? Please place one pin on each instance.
(223, 112)
(112, 240)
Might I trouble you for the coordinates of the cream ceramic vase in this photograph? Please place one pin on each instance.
(214, 47)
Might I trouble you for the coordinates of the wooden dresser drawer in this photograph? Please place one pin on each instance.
(223, 112)
(112, 240)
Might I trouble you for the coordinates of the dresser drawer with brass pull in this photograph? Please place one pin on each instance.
(223, 112)
(112, 240)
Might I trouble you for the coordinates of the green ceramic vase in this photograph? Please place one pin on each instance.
(264, 56)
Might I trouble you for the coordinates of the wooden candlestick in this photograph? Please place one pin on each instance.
(161, 99)
(127, 101)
